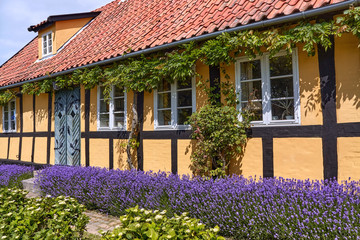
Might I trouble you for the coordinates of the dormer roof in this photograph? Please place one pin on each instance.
(55, 18)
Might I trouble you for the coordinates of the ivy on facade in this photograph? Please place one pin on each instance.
(144, 73)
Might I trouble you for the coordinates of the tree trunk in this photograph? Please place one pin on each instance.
(134, 132)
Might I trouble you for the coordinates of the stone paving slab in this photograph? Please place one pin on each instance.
(99, 221)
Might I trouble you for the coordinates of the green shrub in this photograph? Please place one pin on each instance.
(39, 218)
(148, 224)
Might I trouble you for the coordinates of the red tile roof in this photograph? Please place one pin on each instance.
(139, 24)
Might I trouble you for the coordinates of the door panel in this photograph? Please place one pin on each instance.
(60, 128)
(73, 128)
(67, 127)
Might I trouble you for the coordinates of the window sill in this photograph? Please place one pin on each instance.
(276, 124)
(110, 129)
(179, 127)
(10, 131)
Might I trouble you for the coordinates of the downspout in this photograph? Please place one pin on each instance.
(255, 25)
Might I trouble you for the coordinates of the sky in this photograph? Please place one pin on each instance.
(17, 15)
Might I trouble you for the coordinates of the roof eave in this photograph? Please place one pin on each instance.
(55, 18)
(256, 25)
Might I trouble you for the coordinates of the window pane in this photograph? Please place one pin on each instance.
(118, 92)
(250, 70)
(280, 66)
(6, 108)
(164, 117)
(13, 115)
(12, 125)
(282, 109)
(12, 105)
(44, 45)
(6, 116)
(255, 108)
(6, 125)
(183, 115)
(50, 43)
(184, 84)
(119, 120)
(250, 90)
(104, 120)
(282, 87)
(101, 92)
(164, 100)
(164, 86)
(104, 107)
(184, 98)
(119, 104)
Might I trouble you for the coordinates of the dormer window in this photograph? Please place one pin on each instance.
(47, 44)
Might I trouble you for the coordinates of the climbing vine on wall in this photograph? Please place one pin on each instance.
(6, 96)
(143, 73)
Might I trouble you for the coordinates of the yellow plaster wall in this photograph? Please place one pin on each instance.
(185, 148)
(66, 29)
(120, 155)
(17, 106)
(1, 119)
(52, 151)
(99, 152)
(299, 158)
(41, 112)
(40, 150)
(62, 31)
(26, 149)
(82, 153)
(14, 148)
(28, 113)
(93, 110)
(348, 158)
(148, 111)
(157, 155)
(309, 83)
(129, 113)
(251, 163)
(201, 96)
(82, 108)
(347, 69)
(230, 72)
(53, 113)
(4, 147)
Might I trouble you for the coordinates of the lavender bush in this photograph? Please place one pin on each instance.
(11, 175)
(242, 208)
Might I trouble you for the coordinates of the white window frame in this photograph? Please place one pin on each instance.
(174, 117)
(111, 112)
(9, 117)
(47, 42)
(266, 91)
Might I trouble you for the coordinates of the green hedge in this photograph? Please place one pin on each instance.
(40, 218)
(154, 225)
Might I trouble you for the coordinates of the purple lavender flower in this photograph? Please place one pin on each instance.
(273, 208)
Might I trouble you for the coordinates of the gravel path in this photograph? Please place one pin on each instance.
(99, 221)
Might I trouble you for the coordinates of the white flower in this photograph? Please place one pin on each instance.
(138, 225)
(187, 230)
(158, 217)
(148, 220)
(137, 218)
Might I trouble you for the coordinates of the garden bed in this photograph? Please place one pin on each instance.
(243, 208)
(12, 175)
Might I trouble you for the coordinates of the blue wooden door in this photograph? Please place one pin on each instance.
(67, 127)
